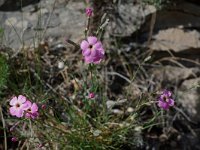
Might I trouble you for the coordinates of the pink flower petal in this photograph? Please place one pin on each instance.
(34, 108)
(13, 101)
(86, 52)
(88, 59)
(171, 102)
(84, 45)
(97, 60)
(101, 53)
(99, 56)
(12, 111)
(163, 105)
(92, 40)
(169, 94)
(19, 113)
(26, 105)
(98, 45)
(34, 115)
(28, 115)
(21, 99)
(93, 53)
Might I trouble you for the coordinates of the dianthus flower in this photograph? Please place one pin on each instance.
(91, 95)
(89, 12)
(92, 50)
(32, 110)
(14, 139)
(165, 100)
(18, 106)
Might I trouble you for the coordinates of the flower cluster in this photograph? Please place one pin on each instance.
(92, 50)
(165, 100)
(21, 106)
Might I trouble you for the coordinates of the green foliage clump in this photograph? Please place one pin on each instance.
(4, 69)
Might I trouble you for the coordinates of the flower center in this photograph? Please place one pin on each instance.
(17, 105)
(165, 99)
(90, 46)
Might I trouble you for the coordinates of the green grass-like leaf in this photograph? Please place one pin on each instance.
(4, 71)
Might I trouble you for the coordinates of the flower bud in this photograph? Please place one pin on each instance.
(89, 12)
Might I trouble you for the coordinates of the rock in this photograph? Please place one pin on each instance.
(175, 29)
(173, 74)
(176, 39)
(189, 97)
(67, 21)
(129, 18)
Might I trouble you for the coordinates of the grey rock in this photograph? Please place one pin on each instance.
(189, 97)
(29, 26)
(175, 29)
(176, 39)
(173, 74)
(129, 18)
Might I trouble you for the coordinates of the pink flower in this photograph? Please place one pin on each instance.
(91, 95)
(165, 100)
(32, 110)
(43, 106)
(89, 12)
(18, 106)
(92, 50)
(14, 139)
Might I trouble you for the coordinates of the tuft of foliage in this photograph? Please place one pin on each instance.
(4, 72)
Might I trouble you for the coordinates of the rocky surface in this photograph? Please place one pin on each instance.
(189, 97)
(176, 39)
(174, 75)
(176, 29)
(33, 23)
(129, 18)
